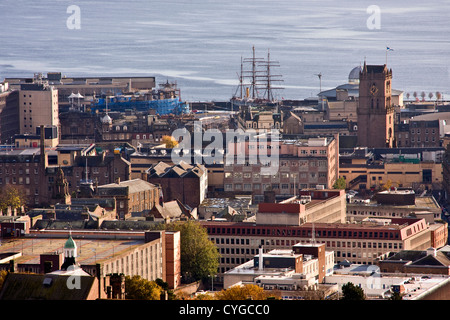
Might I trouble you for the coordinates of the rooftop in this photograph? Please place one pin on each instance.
(134, 185)
(90, 250)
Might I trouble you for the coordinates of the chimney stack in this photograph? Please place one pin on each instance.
(261, 260)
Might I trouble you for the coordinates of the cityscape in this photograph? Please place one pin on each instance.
(116, 187)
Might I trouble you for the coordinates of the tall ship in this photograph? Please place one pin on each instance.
(257, 82)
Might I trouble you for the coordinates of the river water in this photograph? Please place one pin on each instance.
(199, 43)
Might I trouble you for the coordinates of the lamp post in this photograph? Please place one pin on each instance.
(212, 281)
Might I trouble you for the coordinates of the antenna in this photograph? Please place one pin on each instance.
(320, 90)
(86, 172)
(320, 80)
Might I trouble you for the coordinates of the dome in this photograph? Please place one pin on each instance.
(70, 244)
(107, 119)
(353, 76)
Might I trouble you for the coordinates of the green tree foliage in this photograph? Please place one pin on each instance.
(352, 292)
(199, 255)
(138, 288)
(340, 183)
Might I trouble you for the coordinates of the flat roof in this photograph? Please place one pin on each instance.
(90, 251)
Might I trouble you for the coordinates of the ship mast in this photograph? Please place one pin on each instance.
(259, 77)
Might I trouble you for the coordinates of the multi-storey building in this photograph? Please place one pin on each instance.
(132, 196)
(302, 163)
(184, 182)
(360, 243)
(422, 131)
(38, 105)
(9, 111)
(301, 267)
(39, 172)
(87, 86)
(151, 255)
(394, 203)
(414, 168)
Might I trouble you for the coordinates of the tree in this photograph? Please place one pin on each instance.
(3, 274)
(396, 296)
(169, 141)
(430, 95)
(352, 292)
(340, 183)
(387, 185)
(11, 196)
(199, 255)
(246, 292)
(137, 288)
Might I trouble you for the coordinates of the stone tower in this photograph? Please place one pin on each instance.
(375, 109)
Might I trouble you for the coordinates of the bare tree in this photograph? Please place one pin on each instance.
(438, 95)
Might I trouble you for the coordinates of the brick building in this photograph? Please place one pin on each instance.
(151, 255)
(132, 196)
(79, 127)
(424, 131)
(302, 163)
(37, 171)
(429, 261)
(414, 168)
(183, 182)
(9, 111)
(360, 243)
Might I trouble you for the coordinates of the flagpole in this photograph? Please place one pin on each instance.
(388, 49)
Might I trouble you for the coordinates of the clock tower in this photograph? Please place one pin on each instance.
(375, 109)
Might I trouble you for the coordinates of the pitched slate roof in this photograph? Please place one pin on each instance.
(133, 186)
(170, 210)
(24, 286)
(440, 259)
(181, 169)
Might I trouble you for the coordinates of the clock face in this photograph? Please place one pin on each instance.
(373, 90)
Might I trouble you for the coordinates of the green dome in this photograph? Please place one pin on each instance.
(70, 244)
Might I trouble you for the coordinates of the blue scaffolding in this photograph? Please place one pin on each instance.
(122, 103)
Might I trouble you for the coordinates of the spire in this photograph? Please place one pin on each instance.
(70, 252)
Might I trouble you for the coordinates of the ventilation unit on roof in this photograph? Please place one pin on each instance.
(47, 282)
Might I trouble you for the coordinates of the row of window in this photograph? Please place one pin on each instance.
(282, 175)
(303, 233)
(433, 131)
(257, 186)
